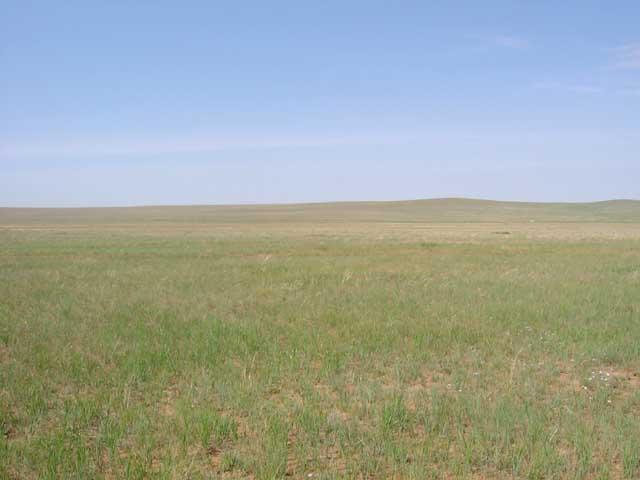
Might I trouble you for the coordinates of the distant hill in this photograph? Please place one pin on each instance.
(440, 210)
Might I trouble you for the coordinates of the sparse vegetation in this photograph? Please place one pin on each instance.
(317, 349)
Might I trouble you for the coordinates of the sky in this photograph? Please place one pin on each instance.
(214, 102)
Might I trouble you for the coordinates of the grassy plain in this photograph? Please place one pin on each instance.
(430, 339)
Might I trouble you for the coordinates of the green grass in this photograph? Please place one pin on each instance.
(265, 355)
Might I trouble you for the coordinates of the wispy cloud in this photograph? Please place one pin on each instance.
(177, 144)
(484, 42)
(585, 89)
(633, 91)
(510, 41)
(623, 57)
(627, 56)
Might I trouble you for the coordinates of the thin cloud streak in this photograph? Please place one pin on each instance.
(627, 56)
(486, 42)
(185, 145)
(510, 41)
(632, 91)
(573, 88)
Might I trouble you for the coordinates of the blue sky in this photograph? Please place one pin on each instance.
(130, 103)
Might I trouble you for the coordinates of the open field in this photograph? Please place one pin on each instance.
(428, 339)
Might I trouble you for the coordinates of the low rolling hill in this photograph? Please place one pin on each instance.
(445, 210)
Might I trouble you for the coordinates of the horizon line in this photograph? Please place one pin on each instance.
(312, 203)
